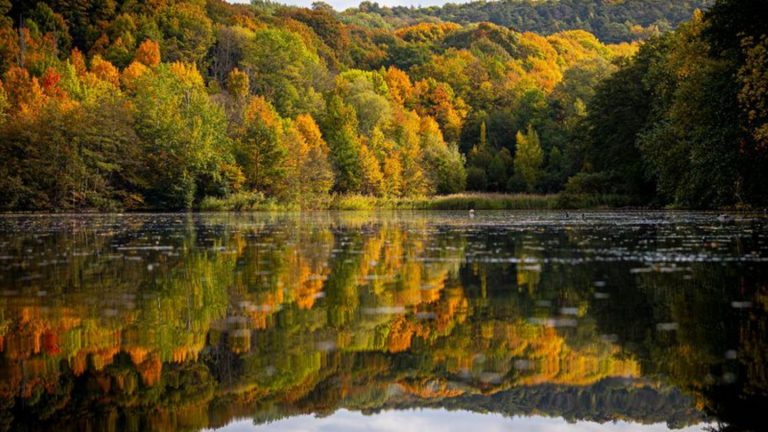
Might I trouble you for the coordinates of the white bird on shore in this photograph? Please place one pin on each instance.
(471, 213)
(724, 218)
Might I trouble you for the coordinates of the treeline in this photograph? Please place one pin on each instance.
(164, 105)
(186, 103)
(610, 20)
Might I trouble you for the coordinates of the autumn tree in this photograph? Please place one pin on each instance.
(404, 132)
(105, 71)
(308, 156)
(399, 85)
(130, 75)
(372, 179)
(238, 84)
(3, 104)
(392, 170)
(439, 101)
(148, 53)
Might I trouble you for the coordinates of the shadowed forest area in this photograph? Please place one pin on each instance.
(181, 104)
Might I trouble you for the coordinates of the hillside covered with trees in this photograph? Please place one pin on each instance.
(175, 104)
(609, 20)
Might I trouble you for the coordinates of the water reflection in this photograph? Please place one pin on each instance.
(165, 322)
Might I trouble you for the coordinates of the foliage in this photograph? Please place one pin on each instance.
(227, 99)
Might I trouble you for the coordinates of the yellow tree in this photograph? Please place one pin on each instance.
(308, 153)
(373, 178)
(437, 99)
(400, 87)
(3, 104)
(131, 74)
(405, 132)
(238, 84)
(187, 73)
(105, 71)
(393, 173)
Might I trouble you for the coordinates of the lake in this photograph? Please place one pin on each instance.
(598, 321)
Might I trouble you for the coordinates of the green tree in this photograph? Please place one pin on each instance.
(754, 92)
(366, 92)
(446, 169)
(187, 32)
(617, 113)
(183, 135)
(690, 142)
(528, 158)
(498, 170)
(283, 70)
(479, 162)
(340, 131)
(261, 149)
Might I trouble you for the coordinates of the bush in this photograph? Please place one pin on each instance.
(447, 169)
(476, 179)
(516, 184)
(589, 183)
(236, 202)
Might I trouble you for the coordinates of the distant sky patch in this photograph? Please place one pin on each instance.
(438, 420)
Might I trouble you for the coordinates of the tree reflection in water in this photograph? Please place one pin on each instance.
(169, 322)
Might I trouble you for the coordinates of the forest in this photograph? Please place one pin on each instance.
(610, 20)
(182, 104)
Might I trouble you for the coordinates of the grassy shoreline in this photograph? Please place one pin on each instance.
(462, 201)
(255, 202)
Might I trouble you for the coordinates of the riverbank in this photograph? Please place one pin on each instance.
(462, 201)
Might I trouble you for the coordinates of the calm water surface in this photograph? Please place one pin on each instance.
(377, 321)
